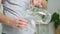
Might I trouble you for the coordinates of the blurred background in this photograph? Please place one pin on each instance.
(53, 6)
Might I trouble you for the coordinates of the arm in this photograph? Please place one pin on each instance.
(16, 23)
(44, 4)
(4, 19)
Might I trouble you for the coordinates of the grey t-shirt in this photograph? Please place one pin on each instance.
(17, 9)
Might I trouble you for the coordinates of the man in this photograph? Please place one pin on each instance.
(9, 21)
(17, 9)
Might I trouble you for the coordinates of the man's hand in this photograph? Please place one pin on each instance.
(39, 3)
(19, 23)
(16, 23)
(36, 2)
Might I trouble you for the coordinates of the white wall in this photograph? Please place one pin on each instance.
(53, 6)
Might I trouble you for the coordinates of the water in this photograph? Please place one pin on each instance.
(41, 17)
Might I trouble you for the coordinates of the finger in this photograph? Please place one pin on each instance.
(14, 26)
(24, 20)
(19, 26)
(22, 26)
(21, 23)
(24, 23)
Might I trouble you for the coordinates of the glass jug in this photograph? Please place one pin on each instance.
(41, 16)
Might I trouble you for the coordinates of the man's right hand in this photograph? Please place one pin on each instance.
(16, 23)
(19, 23)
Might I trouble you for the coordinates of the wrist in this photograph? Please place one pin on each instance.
(9, 21)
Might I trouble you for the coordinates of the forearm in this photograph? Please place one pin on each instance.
(4, 19)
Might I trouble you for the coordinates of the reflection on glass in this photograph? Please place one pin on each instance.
(41, 17)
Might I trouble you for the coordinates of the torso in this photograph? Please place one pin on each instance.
(16, 9)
